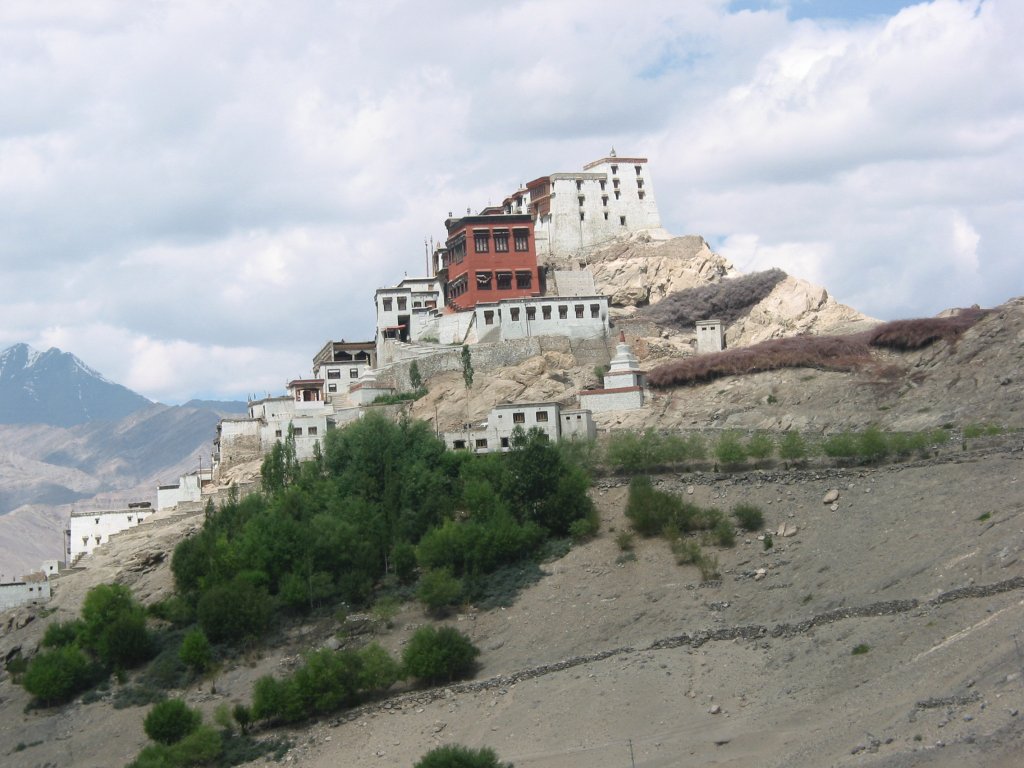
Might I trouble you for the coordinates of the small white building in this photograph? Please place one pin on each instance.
(340, 364)
(496, 433)
(188, 488)
(88, 530)
(710, 336)
(624, 383)
(28, 592)
(577, 317)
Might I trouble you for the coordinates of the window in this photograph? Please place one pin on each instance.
(277, 433)
(504, 442)
(504, 281)
(604, 200)
(563, 311)
(595, 310)
(603, 183)
(606, 215)
(481, 442)
(546, 311)
(622, 221)
(489, 317)
(333, 373)
(129, 518)
(615, 183)
(522, 239)
(579, 310)
(386, 304)
(640, 194)
(615, 169)
(531, 313)
(99, 539)
(298, 431)
(501, 242)
(332, 387)
(514, 313)
(519, 417)
(458, 444)
(97, 521)
(617, 194)
(85, 540)
(541, 417)
(401, 303)
(582, 200)
(483, 281)
(637, 169)
(481, 242)
(524, 279)
(639, 183)
(579, 185)
(582, 215)
(417, 304)
(353, 373)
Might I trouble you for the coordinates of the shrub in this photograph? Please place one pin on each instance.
(914, 334)
(403, 561)
(114, 626)
(726, 299)
(792, 447)
(56, 676)
(195, 651)
(439, 655)
(439, 590)
(749, 517)
(243, 716)
(760, 447)
(768, 542)
(872, 445)
(233, 611)
(175, 610)
(729, 450)
(841, 446)
(625, 541)
(276, 700)
(585, 528)
(456, 756)
(62, 633)
(687, 551)
(201, 747)
(860, 649)
(327, 682)
(378, 671)
(724, 534)
(708, 565)
(170, 721)
(650, 510)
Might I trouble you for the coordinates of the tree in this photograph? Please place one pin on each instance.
(439, 655)
(233, 611)
(114, 626)
(760, 447)
(170, 721)
(54, 677)
(457, 756)
(415, 379)
(729, 450)
(195, 651)
(792, 447)
(438, 590)
(467, 366)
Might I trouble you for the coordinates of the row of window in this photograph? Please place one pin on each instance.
(482, 241)
(311, 431)
(524, 280)
(531, 312)
(353, 373)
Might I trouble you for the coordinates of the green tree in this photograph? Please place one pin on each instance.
(457, 756)
(729, 450)
(170, 721)
(792, 448)
(415, 379)
(195, 651)
(62, 633)
(56, 676)
(439, 590)
(872, 445)
(760, 447)
(378, 670)
(435, 655)
(233, 611)
(114, 626)
(467, 366)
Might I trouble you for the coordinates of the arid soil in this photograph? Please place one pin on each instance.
(736, 673)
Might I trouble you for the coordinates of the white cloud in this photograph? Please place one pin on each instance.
(194, 196)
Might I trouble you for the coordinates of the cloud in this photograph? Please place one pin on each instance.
(195, 196)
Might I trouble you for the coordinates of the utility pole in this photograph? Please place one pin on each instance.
(631, 760)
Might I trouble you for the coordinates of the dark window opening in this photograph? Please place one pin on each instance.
(563, 312)
(401, 303)
(622, 221)
(531, 313)
(581, 215)
(504, 442)
(504, 281)
(298, 431)
(640, 194)
(277, 433)
(481, 242)
(615, 169)
(459, 444)
(595, 310)
(489, 317)
(522, 239)
(332, 387)
(386, 304)
(334, 374)
(546, 311)
(353, 373)
(519, 417)
(541, 416)
(513, 313)
(483, 281)
(579, 310)
(481, 442)
(501, 242)
(615, 183)
(524, 280)
(311, 431)
(617, 194)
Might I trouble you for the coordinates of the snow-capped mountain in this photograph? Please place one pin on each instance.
(57, 388)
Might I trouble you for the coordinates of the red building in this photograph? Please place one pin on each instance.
(489, 257)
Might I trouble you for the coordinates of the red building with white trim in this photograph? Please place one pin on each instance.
(489, 257)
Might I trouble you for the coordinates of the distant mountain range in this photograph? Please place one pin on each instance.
(57, 388)
(70, 436)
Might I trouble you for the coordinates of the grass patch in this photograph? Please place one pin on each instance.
(983, 517)
(860, 649)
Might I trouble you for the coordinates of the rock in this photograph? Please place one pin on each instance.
(714, 710)
(786, 530)
(689, 490)
(760, 573)
(831, 496)
(332, 644)
(834, 507)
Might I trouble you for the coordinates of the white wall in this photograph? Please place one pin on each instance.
(91, 529)
(188, 488)
(598, 402)
(503, 324)
(19, 593)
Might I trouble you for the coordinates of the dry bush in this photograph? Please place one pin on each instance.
(833, 353)
(725, 301)
(906, 335)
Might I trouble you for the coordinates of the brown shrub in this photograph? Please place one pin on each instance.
(906, 335)
(833, 353)
(725, 300)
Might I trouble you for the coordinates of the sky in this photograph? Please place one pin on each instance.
(195, 195)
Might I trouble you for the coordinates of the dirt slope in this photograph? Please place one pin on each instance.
(947, 670)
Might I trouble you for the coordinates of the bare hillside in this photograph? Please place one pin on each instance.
(919, 564)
